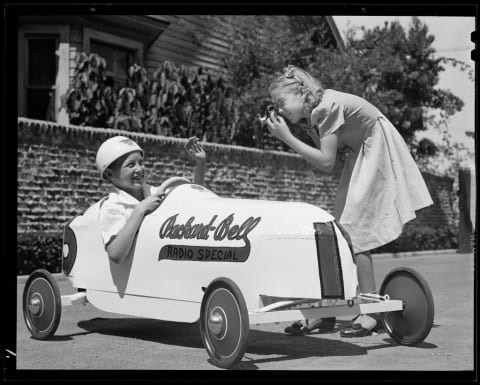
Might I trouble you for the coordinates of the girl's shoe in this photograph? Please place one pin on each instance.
(295, 329)
(323, 325)
(362, 326)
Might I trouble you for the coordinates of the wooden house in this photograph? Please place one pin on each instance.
(48, 45)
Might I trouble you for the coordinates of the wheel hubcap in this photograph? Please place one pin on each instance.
(217, 322)
(35, 305)
(65, 250)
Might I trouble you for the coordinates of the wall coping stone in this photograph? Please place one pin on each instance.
(72, 130)
(46, 126)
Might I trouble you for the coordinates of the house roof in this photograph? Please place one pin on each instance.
(335, 32)
(138, 27)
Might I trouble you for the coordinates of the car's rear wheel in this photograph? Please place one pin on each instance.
(224, 323)
(411, 325)
(42, 304)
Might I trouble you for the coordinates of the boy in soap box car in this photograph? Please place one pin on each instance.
(120, 160)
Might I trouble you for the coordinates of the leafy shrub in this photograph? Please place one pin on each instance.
(421, 238)
(39, 251)
(90, 101)
(176, 101)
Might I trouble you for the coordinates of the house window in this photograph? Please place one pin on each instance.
(118, 60)
(41, 73)
(118, 51)
(39, 78)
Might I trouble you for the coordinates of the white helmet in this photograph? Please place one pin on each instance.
(112, 149)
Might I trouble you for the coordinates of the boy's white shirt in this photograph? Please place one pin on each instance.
(116, 209)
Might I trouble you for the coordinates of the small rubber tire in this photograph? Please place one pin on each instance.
(226, 338)
(42, 304)
(411, 325)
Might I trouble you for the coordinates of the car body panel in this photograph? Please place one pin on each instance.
(267, 248)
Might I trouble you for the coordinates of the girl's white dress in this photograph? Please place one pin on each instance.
(381, 186)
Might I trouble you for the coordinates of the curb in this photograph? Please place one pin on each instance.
(427, 253)
(423, 253)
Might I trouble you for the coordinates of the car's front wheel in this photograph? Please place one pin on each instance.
(42, 304)
(224, 323)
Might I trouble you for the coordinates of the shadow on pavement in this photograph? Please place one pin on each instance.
(421, 345)
(264, 343)
(60, 338)
(284, 347)
(171, 333)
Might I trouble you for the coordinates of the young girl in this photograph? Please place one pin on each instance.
(120, 161)
(380, 187)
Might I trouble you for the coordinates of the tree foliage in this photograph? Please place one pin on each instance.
(393, 68)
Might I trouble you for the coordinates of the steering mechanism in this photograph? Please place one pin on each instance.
(171, 183)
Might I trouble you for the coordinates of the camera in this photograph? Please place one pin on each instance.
(269, 110)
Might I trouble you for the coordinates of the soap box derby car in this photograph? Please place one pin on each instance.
(227, 263)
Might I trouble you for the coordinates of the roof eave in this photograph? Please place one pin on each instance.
(336, 33)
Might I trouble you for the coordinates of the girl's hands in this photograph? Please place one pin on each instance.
(315, 137)
(194, 150)
(278, 127)
(150, 203)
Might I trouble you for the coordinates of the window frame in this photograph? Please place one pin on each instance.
(61, 33)
(135, 46)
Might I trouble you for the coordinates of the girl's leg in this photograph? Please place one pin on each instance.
(366, 279)
(323, 325)
(364, 323)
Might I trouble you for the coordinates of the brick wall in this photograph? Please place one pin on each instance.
(57, 177)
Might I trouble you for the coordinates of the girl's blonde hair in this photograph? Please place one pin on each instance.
(298, 81)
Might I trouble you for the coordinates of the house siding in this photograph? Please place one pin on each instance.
(178, 44)
(187, 40)
(76, 43)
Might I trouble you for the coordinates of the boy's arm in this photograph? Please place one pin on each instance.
(197, 154)
(119, 248)
(199, 173)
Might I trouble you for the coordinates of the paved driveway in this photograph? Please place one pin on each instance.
(88, 338)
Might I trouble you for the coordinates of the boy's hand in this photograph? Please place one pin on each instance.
(150, 203)
(195, 151)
